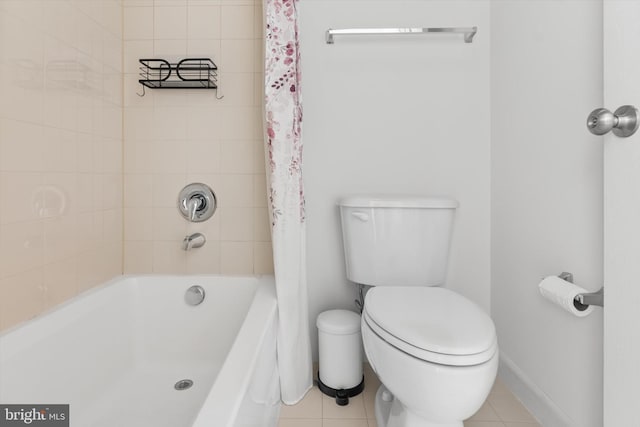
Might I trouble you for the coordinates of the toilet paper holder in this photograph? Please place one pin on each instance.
(584, 300)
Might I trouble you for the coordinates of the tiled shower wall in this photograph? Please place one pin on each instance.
(65, 169)
(175, 137)
(60, 151)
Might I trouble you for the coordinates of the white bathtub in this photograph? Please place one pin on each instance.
(115, 353)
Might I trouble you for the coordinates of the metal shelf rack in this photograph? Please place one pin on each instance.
(189, 73)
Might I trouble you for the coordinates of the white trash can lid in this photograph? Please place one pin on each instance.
(338, 322)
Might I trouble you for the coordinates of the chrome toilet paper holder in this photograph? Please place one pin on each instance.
(584, 300)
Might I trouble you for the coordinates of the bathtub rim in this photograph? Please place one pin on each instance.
(227, 391)
(111, 282)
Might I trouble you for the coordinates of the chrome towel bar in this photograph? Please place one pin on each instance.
(468, 32)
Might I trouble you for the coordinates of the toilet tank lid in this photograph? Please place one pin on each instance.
(397, 201)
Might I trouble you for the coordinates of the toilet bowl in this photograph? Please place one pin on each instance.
(433, 350)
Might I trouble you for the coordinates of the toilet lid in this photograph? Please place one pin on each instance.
(431, 323)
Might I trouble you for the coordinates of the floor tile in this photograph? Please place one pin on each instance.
(509, 408)
(309, 407)
(483, 424)
(345, 423)
(355, 408)
(502, 409)
(500, 387)
(299, 422)
(369, 398)
(370, 378)
(485, 413)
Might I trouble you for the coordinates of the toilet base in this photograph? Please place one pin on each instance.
(391, 413)
(382, 405)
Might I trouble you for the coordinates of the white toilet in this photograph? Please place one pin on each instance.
(434, 351)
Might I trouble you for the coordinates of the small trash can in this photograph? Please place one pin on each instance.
(340, 349)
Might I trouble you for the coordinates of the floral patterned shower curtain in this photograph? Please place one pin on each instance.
(283, 110)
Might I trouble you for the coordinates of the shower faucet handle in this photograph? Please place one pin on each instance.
(193, 204)
(197, 202)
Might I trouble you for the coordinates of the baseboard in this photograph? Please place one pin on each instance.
(536, 401)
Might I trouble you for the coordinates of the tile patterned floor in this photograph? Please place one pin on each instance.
(502, 409)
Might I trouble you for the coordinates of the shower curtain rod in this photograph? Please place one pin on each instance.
(468, 32)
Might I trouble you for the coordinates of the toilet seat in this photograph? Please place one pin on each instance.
(432, 324)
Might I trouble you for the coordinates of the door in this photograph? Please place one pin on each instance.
(621, 219)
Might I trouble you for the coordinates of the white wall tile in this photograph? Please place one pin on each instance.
(21, 247)
(134, 50)
(62, 82)
(208, 48)
(204, 123)
(17, 192)
(238, 55)
(138, 226)
(236, 224)
(169, 22)
(21, 146)
(60, 238)
(171, 49)
(261, 225)
(166, 187)
(235, 190)
(169, 258)
(204, 260)
(22, 297)
(138, 257)
(138, 191)
(169, 123)
(263, 258)
(238, 89)
(237, 22)
(168, 224)
(236, 157)
(60, 281)
(179, 137)
(236, 257)
(237, 123)
(204, 157)
(138, 157)
(138, 23)
(204, 22)
(169, 157)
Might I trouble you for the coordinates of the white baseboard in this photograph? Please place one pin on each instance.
(537, 402)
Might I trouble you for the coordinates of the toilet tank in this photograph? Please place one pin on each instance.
(396, 241)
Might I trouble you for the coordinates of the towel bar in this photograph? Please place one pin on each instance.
(468, 32)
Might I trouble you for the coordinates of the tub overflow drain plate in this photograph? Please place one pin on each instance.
(183, 385)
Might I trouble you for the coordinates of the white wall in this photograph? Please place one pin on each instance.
(395, 115)
(546, 76)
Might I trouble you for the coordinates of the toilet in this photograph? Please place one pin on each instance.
(434, 351)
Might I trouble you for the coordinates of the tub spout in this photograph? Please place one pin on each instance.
(193, 241)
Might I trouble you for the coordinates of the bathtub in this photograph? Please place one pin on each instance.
(116, 353)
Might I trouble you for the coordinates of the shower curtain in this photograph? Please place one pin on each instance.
(283, 112)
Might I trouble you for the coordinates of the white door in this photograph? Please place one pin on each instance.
(621, 219)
